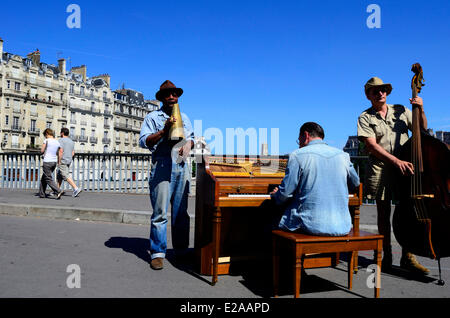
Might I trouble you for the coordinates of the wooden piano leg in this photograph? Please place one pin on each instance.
(355, 218)
(217, 220)
(378, 273)
(298, 267)
(350, 269)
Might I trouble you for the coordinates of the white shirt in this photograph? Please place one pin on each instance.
(51, 150)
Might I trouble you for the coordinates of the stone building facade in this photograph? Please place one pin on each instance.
(36, 95)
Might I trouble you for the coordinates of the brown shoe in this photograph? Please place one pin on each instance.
(410, 263)
(157, 263)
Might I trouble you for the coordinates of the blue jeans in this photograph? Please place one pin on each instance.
(169, 184)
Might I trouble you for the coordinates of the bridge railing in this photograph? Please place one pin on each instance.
(92, 172)
(101, 172)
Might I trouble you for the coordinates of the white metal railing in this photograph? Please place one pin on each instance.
(101, 172)
(93, 172)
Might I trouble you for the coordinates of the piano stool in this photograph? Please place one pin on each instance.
(302, 244)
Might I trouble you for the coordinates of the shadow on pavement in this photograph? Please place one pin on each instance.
(133, 245)
(395, 271)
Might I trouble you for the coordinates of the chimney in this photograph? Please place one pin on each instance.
(106, 78)
(35, 57)
(1, 48)
(80, 70)
(62, 66)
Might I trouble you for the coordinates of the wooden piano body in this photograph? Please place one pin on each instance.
(230, 225)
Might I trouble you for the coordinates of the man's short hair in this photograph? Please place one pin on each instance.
(65, 131)
(49, 132)
(314, 130)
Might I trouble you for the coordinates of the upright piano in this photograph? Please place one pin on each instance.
(234, 215)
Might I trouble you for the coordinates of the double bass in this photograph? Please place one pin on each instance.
(421, 220)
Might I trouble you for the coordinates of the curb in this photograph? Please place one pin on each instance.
(69, 213)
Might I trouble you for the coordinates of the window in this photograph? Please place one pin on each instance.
(17, 86)
(48, 125)
(7, 102)
(33, 125)
(49, 111)
(6, 120)
(8, 84)
(32, 77)
(83, 132)
(93, 133)
(33, 109)
(16, 122)
(15, 141)
(62, 96)
(72, 131)
(82, 90)
(71, 88)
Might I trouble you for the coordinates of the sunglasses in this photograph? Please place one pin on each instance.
(376, 90)
(167, 94)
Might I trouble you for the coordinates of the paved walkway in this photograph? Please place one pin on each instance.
(135, 209)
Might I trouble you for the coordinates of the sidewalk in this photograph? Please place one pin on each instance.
(107, 206)
(90, 206)
(121, 208)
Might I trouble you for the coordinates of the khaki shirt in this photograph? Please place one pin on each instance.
(390, 133)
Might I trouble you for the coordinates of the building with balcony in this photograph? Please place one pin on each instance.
(130, 109)
(90, 104)
(32, 97)
(36, 95)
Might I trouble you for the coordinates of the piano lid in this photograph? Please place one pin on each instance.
(246, 167)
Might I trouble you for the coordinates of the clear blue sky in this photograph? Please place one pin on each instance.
(250, 63)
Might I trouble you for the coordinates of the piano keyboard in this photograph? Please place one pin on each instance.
(252, 195)
(249, 195)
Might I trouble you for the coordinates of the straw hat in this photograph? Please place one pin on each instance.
(375, 82)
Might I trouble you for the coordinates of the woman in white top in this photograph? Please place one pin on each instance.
(50, 149)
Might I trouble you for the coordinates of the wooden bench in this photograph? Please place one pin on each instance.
(302, 244)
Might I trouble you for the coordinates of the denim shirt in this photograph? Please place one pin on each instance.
(153, 123)
(317, 180)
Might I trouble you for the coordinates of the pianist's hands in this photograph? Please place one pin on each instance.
(275, 190)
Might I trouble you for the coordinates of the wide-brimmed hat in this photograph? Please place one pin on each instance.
(375, 82)
(166, 87)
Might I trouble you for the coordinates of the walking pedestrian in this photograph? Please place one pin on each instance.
(50, 149)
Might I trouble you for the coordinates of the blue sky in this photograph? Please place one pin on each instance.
(250, 63)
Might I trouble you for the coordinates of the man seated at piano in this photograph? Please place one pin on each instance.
(315, 188)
